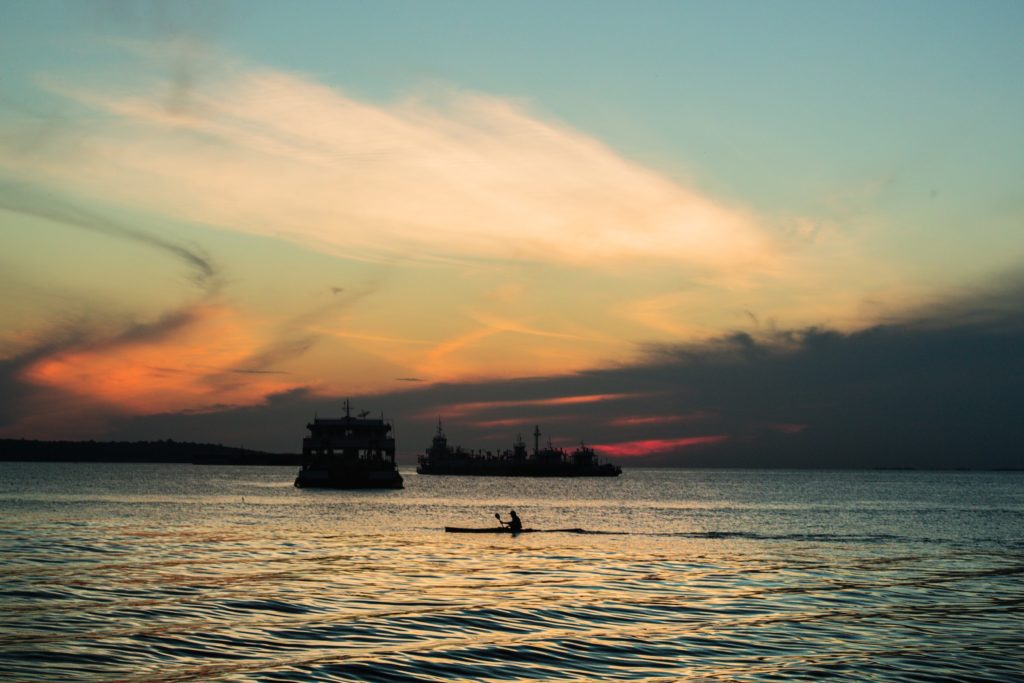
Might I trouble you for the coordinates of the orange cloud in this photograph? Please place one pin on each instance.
(196, 366)
(461, 409)
(510, 422)
(629, 449)
(523, 421)
(510, 244)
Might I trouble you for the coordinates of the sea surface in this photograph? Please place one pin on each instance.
(191, 573)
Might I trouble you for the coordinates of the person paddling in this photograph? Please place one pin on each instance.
(515, 526)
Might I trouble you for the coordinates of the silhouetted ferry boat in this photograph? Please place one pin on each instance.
(349, 453)
(441, 458)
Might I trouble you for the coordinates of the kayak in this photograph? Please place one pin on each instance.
(484, 530)
(506, 530)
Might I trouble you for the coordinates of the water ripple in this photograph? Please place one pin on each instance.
(132, 590)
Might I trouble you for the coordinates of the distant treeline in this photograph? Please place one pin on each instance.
(166, 450)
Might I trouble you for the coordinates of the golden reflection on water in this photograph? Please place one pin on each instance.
(721, 577)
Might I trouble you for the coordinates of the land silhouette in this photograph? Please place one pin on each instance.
(166, 450)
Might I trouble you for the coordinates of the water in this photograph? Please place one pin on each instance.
(183, 573)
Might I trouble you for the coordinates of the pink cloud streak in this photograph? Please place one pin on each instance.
(633, 420)
(788, 428)
(461, 409)
(631, 449)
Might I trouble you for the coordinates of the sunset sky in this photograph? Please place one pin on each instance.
(688, 232)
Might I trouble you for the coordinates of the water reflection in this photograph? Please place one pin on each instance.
(176, 578)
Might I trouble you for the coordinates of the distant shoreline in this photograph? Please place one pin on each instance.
(164, 451)
(186, 452)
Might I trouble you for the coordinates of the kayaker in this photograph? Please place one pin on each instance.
(516, 524)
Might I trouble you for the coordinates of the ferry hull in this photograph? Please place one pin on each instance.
(348, 478)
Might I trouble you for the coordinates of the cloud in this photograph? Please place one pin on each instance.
(184, 360)
(938, 388)
(524, 422)
(174, 359)
(452, 176)
(198, 355)
(645, 420)
(536, 248)
(631, 449)
(463, 409)
(515, 246)
(29, 200)
(44, 391)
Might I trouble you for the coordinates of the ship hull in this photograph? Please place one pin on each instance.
(347, 478)
(504, 469)
(443, 459)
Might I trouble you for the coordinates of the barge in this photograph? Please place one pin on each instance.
(548, 461)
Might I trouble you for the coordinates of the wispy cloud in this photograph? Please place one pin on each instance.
(456, 175)
(569, 256)
(537, 248)
(640, 420)
(632, 449)
(788, 427)
(463, 409)
(26, 199)
(937, 388)
(524, 422)
(186, 360)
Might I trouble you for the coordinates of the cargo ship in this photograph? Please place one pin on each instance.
(349, 453)
(548, 461)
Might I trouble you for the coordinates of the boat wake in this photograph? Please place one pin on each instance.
(710, 535)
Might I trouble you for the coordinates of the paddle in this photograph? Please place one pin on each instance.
(497, 516)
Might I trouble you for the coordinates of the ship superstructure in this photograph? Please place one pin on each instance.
(548, 461)
(349, 453)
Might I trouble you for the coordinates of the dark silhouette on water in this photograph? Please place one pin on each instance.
(164, 450)
(506, 530)
(515, 525)
(548, 461)
(349, 453)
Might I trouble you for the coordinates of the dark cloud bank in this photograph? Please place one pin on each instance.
(940, 389)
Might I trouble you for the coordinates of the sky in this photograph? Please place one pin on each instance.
(689, 233)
